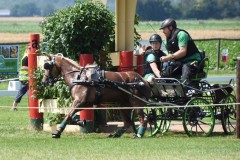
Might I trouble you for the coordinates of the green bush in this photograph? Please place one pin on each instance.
(59, 90)
(84, 28)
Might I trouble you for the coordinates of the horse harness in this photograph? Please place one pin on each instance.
(97, 79)
(49, 66)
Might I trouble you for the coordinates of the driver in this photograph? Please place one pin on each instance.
(183, 53)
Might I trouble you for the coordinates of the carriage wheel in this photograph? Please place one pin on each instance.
(229, 115)
(163, 115)
(198, 120)
(154, 122)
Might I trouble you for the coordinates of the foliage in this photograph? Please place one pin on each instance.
(34, 7)
(137, 36)
(211, 49)
(147, 9)
(185, 9)
(60, 90)
(82, 29)
(54, 118)
(153, 10)
(206, 9)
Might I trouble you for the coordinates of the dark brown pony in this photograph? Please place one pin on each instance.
(123, 88)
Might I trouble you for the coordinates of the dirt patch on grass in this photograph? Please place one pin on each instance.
(196, 34)
(37, 19)
(15, 38)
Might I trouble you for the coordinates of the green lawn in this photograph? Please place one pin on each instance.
(210, 47)
(17, 141)
(193, 24)
(34, 27)
(20, 27)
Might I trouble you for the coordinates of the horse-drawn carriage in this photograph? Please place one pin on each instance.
(198, 109)
(197, 106)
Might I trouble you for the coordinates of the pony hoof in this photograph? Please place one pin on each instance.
(56, 134)
(110, 136)
(82, 123)
(114, 136)
(136, 136)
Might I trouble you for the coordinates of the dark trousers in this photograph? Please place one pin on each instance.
(180, 70)
(23, 90)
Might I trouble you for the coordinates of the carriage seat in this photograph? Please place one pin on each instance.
(202, 69)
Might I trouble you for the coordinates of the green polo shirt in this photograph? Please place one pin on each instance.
(183, 39)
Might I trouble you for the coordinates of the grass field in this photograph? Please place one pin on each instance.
(198, 29)
(18, 142)
(14, 30)
(18, 29)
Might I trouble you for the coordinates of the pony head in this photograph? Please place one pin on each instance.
(52, 70)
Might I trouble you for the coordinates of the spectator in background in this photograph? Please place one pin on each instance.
(23, 78)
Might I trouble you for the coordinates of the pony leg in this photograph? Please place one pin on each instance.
(126, 114)
(68, 117)
(142, 118)
(119, 132)
(143, 124)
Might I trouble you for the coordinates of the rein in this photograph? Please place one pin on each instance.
(70, 72)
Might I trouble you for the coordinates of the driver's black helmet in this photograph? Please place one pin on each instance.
(168, 22)
(155, 38)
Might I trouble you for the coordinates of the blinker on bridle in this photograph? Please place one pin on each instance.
(49, 66)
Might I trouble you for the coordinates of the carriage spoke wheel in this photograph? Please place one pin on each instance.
(229, 114)
(165, 120)
(198, 120)
(154, 123)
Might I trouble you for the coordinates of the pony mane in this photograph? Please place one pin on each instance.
(68, 60)
(91, 65)
(74, 63)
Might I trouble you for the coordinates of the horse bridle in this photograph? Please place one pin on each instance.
(50, 78)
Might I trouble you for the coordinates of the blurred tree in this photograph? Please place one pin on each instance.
(146, 9)
(25, 10)
(154, 9)
(47, 9)
(206, 9)
(229, 8)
